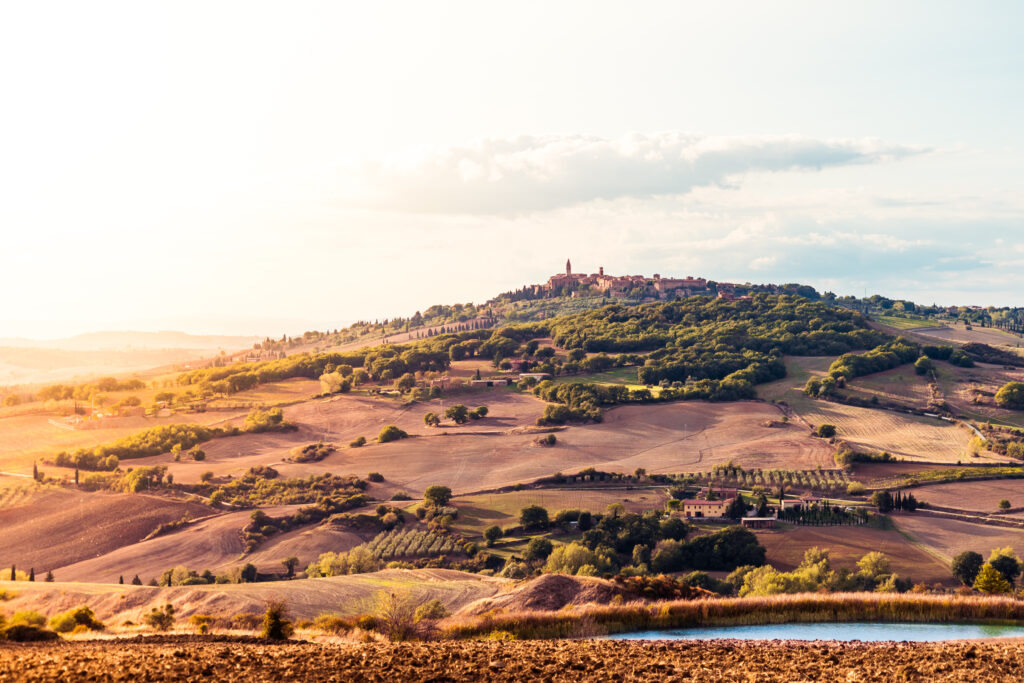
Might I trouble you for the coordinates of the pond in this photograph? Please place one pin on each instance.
(833, 631)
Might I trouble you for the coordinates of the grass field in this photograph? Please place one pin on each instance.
(959, 334)
(900, 385)
(975, 496)
(901, 323)
(846, 545)
(949, 537)
(484, 510)
(908, 437)
(306, 598)
(624, 376)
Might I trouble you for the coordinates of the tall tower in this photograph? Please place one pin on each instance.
(568, 267)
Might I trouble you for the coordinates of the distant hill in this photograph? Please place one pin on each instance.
(117, 340)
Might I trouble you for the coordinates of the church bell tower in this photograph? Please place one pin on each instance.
(568, 267)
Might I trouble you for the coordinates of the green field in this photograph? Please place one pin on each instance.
(902, 323)
(624, 376)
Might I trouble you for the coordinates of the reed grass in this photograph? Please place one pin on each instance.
(593, 620)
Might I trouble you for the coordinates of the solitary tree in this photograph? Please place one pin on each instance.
(492, 534)
(966, 566)
(533, 517)
(1004, 504)
(289, 564)
(458, 413)
(437, 495)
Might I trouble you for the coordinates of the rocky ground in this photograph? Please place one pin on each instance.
(194, 658)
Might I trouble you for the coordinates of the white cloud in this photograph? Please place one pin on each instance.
(527, 174)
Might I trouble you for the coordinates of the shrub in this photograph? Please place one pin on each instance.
(432, 609)
(989, 580)
(275, 626)
(361, 441)
(1011, 395)
(26, 633)
(1004, 504)
(376, 477)
(826, 431)
(478, 412)
(333, 623)
(28, 618)
(391, 433)
(245, 621)
(81, 616)
(160, 619)
(201, 622)
(396, 616)
(538, 549)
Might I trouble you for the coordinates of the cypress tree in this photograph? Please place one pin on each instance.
(32, 574)
(49, 577)
(120, 579)
(13, 575)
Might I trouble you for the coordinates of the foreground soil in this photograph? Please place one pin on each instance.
(195, 659)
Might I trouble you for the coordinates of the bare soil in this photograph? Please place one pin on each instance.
(56, 527)
(559, 660)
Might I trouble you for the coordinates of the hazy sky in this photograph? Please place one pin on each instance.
(266, 167)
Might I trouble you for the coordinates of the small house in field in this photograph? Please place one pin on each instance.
(758, 522)
(500, 382)
(703, 508)
(443, 382)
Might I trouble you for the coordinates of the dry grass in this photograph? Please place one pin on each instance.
(975, 496)
(949, 537)
(780, 609)
(481, 511)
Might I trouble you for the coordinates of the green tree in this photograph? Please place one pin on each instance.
(437, 495)
(405, 382)
(431, 420)
(492, 534)
(990, 580)
(826, 431)
(1005, 561)
(923, 365)
(1004, 504)
(1011, 395)
(458, 413)
(966, 566)
(275, 624)
(737, 508)
(538, 549)
(289, 564)
(534, 517)
(160, 619)
(882, 500)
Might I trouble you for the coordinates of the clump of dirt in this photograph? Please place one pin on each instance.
(550, 592)
(556, 660)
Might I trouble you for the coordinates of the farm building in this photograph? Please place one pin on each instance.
(758, 522)
(501, 382)
(539, 376)
(703, 508)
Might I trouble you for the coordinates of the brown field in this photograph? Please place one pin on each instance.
(900, 385)
(799, 369)
(974, 496)
(960, 335)
(848, 544)
(193, 658)
(949, 537)
(909, 437)
(55, 527)
(497, 450)
(971, 391)
(215, 544)
(306, 598)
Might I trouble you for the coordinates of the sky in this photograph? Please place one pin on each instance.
(262, 168)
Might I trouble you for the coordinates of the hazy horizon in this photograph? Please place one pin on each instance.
(255, 168)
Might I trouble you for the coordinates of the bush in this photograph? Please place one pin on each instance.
(826, 431)
(275, 626)
(361, 441)
(391, 433)
(432, 609)
(1011, 395)
(538, 549)
(376, 477)
(77, 616)
(26, 633)
(855, 488)
(333, 623)
(534, 517)
(201, 623)
(478, 412)
(160, 619)
(28, 618)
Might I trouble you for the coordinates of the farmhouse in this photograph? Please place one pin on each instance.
(703, 508)
(720, 493)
